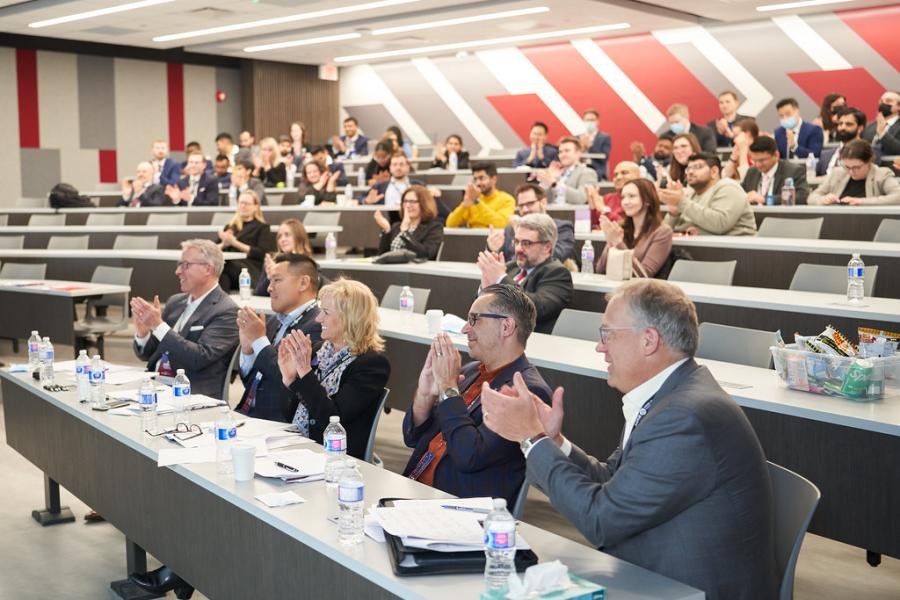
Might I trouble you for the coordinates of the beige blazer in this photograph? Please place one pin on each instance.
(882, 186)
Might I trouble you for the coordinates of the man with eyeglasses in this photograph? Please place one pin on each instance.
(769, 172)
(543, 278)
(686, 493)
(195, 330)
(453, 450)
(711, 205)
(531, 199)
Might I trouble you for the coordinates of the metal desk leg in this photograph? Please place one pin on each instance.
(136, 562)
(53, 514)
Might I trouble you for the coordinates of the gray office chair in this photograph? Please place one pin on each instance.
(320, 219)
(578, 324)
(391, 298)
(518, 506)
(796, 499)
(221, 219)
(703, 271)
(46, 220)
(105, 219)
(96, 321)
(136, 242)
(370, 456)
(31, 202)
(737, 345)
(829, 279)
(68, 242)
(163, 219)
(4, 220)
(12, 242)
(275, 199)
(791, 228)
(231, 373)
(888, 231)
(23, 271)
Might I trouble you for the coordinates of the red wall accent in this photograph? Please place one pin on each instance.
(26, 80)
(108, 167)
(175, 81)
(520, 111)
(857, 85)
(878, 27)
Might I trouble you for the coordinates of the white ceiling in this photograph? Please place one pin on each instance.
(138, 27)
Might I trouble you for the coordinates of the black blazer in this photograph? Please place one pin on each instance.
(260, 238)
(152, 195)
(462, 161)
(705, 136)
(271, 395)
(272, 177)
(424, 241)
(478, 462)
(321, 195)
(785, 169)
(550, 288)
(721, 140)
(890, 141)
(355, 402)
(207, 190)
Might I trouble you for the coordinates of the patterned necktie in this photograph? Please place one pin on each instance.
(522, 275)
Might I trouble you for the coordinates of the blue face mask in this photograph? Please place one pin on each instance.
(789, 123)
(677, 128)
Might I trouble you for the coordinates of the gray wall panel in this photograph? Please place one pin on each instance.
(96, 102)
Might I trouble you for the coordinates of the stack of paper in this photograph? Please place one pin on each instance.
(164, 402)
(292, 466)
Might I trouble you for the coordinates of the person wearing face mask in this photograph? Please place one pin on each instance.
(795, 137)
(851, 122)
(444, 154)
(724, 125)
(596, 142)
(767, 175)
(831, 107)
(539, 154)
(680, 122)
(884, 132)
(858, 180)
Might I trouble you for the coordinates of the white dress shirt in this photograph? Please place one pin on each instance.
(160, 331)
(393, 194)
(768, 178)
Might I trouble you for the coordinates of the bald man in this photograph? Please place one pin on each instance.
(140, 190)
(624, 172)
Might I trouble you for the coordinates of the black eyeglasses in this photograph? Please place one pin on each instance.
(473, 317)
(182, 431)
(526, 244)
(526, 204)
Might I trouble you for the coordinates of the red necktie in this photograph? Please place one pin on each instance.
(522, 275)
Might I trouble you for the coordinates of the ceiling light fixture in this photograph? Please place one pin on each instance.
(306, 42)
(463, 20)
(329, 12)
(96, 13)
(803, 4)
(513, 39)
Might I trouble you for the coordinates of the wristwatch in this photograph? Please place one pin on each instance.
(527, 443)
(450, 392)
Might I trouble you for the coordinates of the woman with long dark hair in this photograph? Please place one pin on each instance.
(828, 115)
(683, 146)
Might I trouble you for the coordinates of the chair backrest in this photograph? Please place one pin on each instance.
(791, 228)
(23, 271)
(233, 367)
(221, 218)
(46, 220)
(136, 242)
(704, 271)
(440, 252)
(12, 242)
(68, 242)
(370, 445)
(112, 275)
(179, 218)
(738, 345)
(829, 279)
(4, 219)
(322, 218)
(391, 298)
(578, 324)
(795, 499)
(519, 505)
(888, 231)
(31, 202)
(105, 219)
(275, 199)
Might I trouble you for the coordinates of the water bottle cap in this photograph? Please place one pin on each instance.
(855, 255)
(82, 353)
(34, 332)
(179, 372)
(499, 503)
(224, 410)
(47, 339)
(334, 419)
(97, 356)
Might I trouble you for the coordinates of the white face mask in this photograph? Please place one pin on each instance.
(590, 126)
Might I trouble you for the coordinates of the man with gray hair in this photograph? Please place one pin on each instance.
(140, 189)
(543, 278)
(686, 493)
(195, 330)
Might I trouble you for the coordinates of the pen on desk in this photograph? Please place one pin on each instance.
(481, 511)
(286, 467)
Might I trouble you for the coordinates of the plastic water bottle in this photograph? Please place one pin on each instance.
(788, 192)
(361, 177)
(811, 163)
(147, 400)
(83, 375)
(244, 285)
(348, 194)
(453, 162)
(499, 546)
(587, 257)
(226, 432)
(559, 194)
(181, 394)
(330, 246)
(45, 357)
(34, 351)
(335, 442)
(407, 300)
(98, 383)
(351, 504)
(232, 196)
(856, 272)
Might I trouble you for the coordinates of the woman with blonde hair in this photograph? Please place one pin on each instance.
(291, 238)
(249, 233)
(346, 377)
(269, 168)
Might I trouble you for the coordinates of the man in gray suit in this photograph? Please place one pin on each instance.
(566, 180)
(196, 330)
(686, 493)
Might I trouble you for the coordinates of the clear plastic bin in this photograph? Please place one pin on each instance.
(851, 377)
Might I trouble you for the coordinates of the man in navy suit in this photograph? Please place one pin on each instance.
(596, 142)
(197, 188)
(166, 171)
(453, 450)
(352, 143)
(795, 137)
(292, 289)
(539, 154)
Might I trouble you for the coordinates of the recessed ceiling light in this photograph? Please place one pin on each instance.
(463, 20)
(96, 13)
(306, 42)
(328, 12)
(513, 39)
(803, 4)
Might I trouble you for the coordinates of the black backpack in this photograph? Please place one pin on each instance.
(64, 195)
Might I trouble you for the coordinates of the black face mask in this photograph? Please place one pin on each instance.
(885, 109)
(845, 136)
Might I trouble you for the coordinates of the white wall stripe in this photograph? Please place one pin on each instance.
(600, 61)
(457, 105)
(814, 45)
(519, 76)
(757, 95)
(361, 85)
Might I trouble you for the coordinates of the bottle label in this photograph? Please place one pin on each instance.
(351, 494)
(96, 375)
(182, 390)
(33, 347)
(148, 399)
(245, 280)
(335, 444)
(405, 303)
(500, 541)
(225, 434)
(80, 370)
(856, 271)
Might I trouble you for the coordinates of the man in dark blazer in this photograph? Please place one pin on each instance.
(768, 173)
(539, 154)
(197, 188)
(352, 143)
(680, 122)
(531, 199)
(595, 141)
(543, 278)
(453, 451)
(195, 330)
(292, 288)
(795, 137)
(884, 131)
(166, 171)
(686, 493)
(141, 191)
(722, 127)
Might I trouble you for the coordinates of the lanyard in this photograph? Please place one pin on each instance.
(284, 327)
(429, 456)
(641, 413)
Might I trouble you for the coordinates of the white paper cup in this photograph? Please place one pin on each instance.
(243, 456)
(309, 199)
(434, 318)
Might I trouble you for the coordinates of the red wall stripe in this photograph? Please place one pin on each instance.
(861, 89)
(26, 80)
(175, 81)
(520, 111)
(109, 172)
(878, 27)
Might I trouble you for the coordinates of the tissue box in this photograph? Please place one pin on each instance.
(581, 589)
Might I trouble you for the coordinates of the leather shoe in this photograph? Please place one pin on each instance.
(162, 580)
